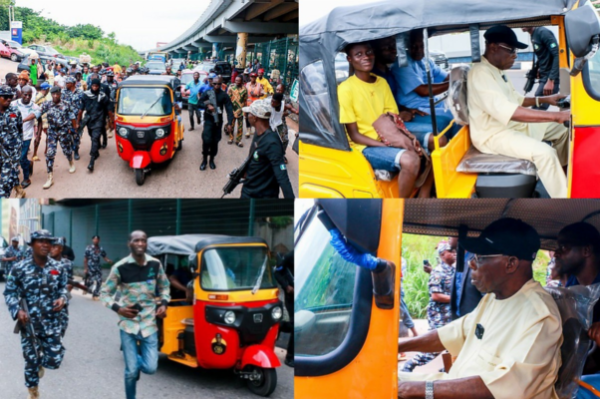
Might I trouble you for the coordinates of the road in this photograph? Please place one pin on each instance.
(113, 178)
(93, 365)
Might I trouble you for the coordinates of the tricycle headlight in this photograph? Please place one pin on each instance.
(276, 313)
(160, 133)
(229, 317)
(123, 132)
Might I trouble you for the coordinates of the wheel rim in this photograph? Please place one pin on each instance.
(261, 380)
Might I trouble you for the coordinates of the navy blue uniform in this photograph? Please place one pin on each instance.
(60, 117)
(11, 141)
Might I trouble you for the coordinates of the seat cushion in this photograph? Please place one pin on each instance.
(475, 161)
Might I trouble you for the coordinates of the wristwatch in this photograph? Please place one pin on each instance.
(429, 390)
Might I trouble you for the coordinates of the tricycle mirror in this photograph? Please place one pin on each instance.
(581, 25)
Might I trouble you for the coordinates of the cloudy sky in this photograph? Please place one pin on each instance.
(139, 23)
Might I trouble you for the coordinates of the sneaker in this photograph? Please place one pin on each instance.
(289, 362)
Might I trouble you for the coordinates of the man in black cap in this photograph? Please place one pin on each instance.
(501, 120)
(96, 104)
(40, 283)
(545, 48)
(11, 141)
(74, 96)
(511, 342)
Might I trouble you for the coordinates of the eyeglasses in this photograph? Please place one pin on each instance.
(511, 51)
(563, 247)
(478, 260)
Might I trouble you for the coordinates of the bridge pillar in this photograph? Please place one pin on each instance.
(216, 47)
(240, 50)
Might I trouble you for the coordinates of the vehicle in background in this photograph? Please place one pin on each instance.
(186, 77)
(17, 52)
(175, 62)
(439, 58)
(220, 68)
(5, 51)
(156, 67)
(158, 56)
(48, 51)
(24, 64)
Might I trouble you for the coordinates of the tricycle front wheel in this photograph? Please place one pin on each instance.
(263, 382)
(140, 176)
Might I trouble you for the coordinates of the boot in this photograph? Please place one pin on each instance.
(49, 182)
(72, 166)
(20, 191)
(41, 372)
(34, 393)
(211, 163)
(76, 154)
(203, 164)
(91, 165)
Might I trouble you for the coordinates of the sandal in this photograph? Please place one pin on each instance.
(229, 141)
(402, 357)
(240, 144)
(35, 158)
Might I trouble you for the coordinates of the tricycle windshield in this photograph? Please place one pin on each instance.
(151, 101)
(235, 269)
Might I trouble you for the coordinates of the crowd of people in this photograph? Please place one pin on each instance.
(59, 102)
(501, 120)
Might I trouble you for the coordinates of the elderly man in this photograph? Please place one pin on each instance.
(30, 113)
(501, 121)
(509, 346)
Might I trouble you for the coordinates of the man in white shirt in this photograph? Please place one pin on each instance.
(509, 346)
(30, 112)
(59, 80)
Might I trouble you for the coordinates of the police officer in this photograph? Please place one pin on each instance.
(41, 284)
(113, 85)
(96, 104)
(67, 266)
(284, 274)
(61, 118)
(91, 266)
(211, 135)
(545, 48)
(439, 310)
(11, 141)
(12, 255)
(74, 96)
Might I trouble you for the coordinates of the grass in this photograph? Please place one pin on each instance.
(415, 249)
(103, 50)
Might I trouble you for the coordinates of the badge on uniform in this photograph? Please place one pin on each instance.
(255, 155)
(552, 45)
(282, 167)
(479, 330)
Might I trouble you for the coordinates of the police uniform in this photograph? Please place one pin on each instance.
(545, 48)
(438, 314)
(96, 106)
(11, 141)
(112, 87)
(211, 134)
(75, 99)
(60, 117)
(67, 267)
(94, 255)
(12, 252)
(39, 287)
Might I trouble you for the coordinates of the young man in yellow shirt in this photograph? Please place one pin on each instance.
(267, 88)
(363, 97)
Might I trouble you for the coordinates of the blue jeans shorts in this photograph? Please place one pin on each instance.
(384, 158)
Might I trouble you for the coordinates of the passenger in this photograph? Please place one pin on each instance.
(385, 54)
(509, 346)
(577, 256)
(414, 91)
(363, 98)
(499, 118)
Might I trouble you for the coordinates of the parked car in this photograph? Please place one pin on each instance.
(220, 68)
(186, 77)
(156, 67)
(175, 62)
(439, 58)
(17, 52)
(24, 64)
(4, 51)
(48, 51)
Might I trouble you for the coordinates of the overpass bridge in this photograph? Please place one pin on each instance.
(236, 24)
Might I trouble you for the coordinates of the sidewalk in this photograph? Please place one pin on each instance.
(432, 367)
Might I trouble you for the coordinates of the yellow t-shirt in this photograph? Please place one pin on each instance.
(518, 355)
(267, 88)
(117, 68)
(363, 103)
(492, 101)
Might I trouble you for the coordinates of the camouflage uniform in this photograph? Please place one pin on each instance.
(12, 252)
(28, 253)
(67, 267)
(94, 256)
(75, 99)
(59, 130)
(438, 313)
(40, 287)
(11, 141)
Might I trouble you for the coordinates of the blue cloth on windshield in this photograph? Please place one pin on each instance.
(412, 76)
(194, 89)
(351, 254)
(572, 281)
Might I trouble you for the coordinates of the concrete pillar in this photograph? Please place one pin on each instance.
(240, 50)
(216, 47)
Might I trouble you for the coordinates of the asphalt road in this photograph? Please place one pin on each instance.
(113, 178)
(93, 365)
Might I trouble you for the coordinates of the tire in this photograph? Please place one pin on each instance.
(266, 385)
(14, 58)
(180, 146)
(140, 176)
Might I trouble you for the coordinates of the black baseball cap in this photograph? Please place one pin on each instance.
(503, 34)
(506, 236)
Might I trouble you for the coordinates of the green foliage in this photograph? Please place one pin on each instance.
(415, 249)
(69, 40)
(280, 222)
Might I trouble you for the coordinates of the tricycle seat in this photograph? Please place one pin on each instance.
(475, 161)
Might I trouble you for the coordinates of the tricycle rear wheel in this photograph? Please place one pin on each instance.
(140, 176)
(265, 384)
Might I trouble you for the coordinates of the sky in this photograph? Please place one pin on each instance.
(311, 10)
(138, 23)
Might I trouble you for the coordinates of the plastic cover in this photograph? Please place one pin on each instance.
(457, 94)
(576, 306)
(475, 161)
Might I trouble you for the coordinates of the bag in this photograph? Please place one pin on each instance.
(390, 125)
